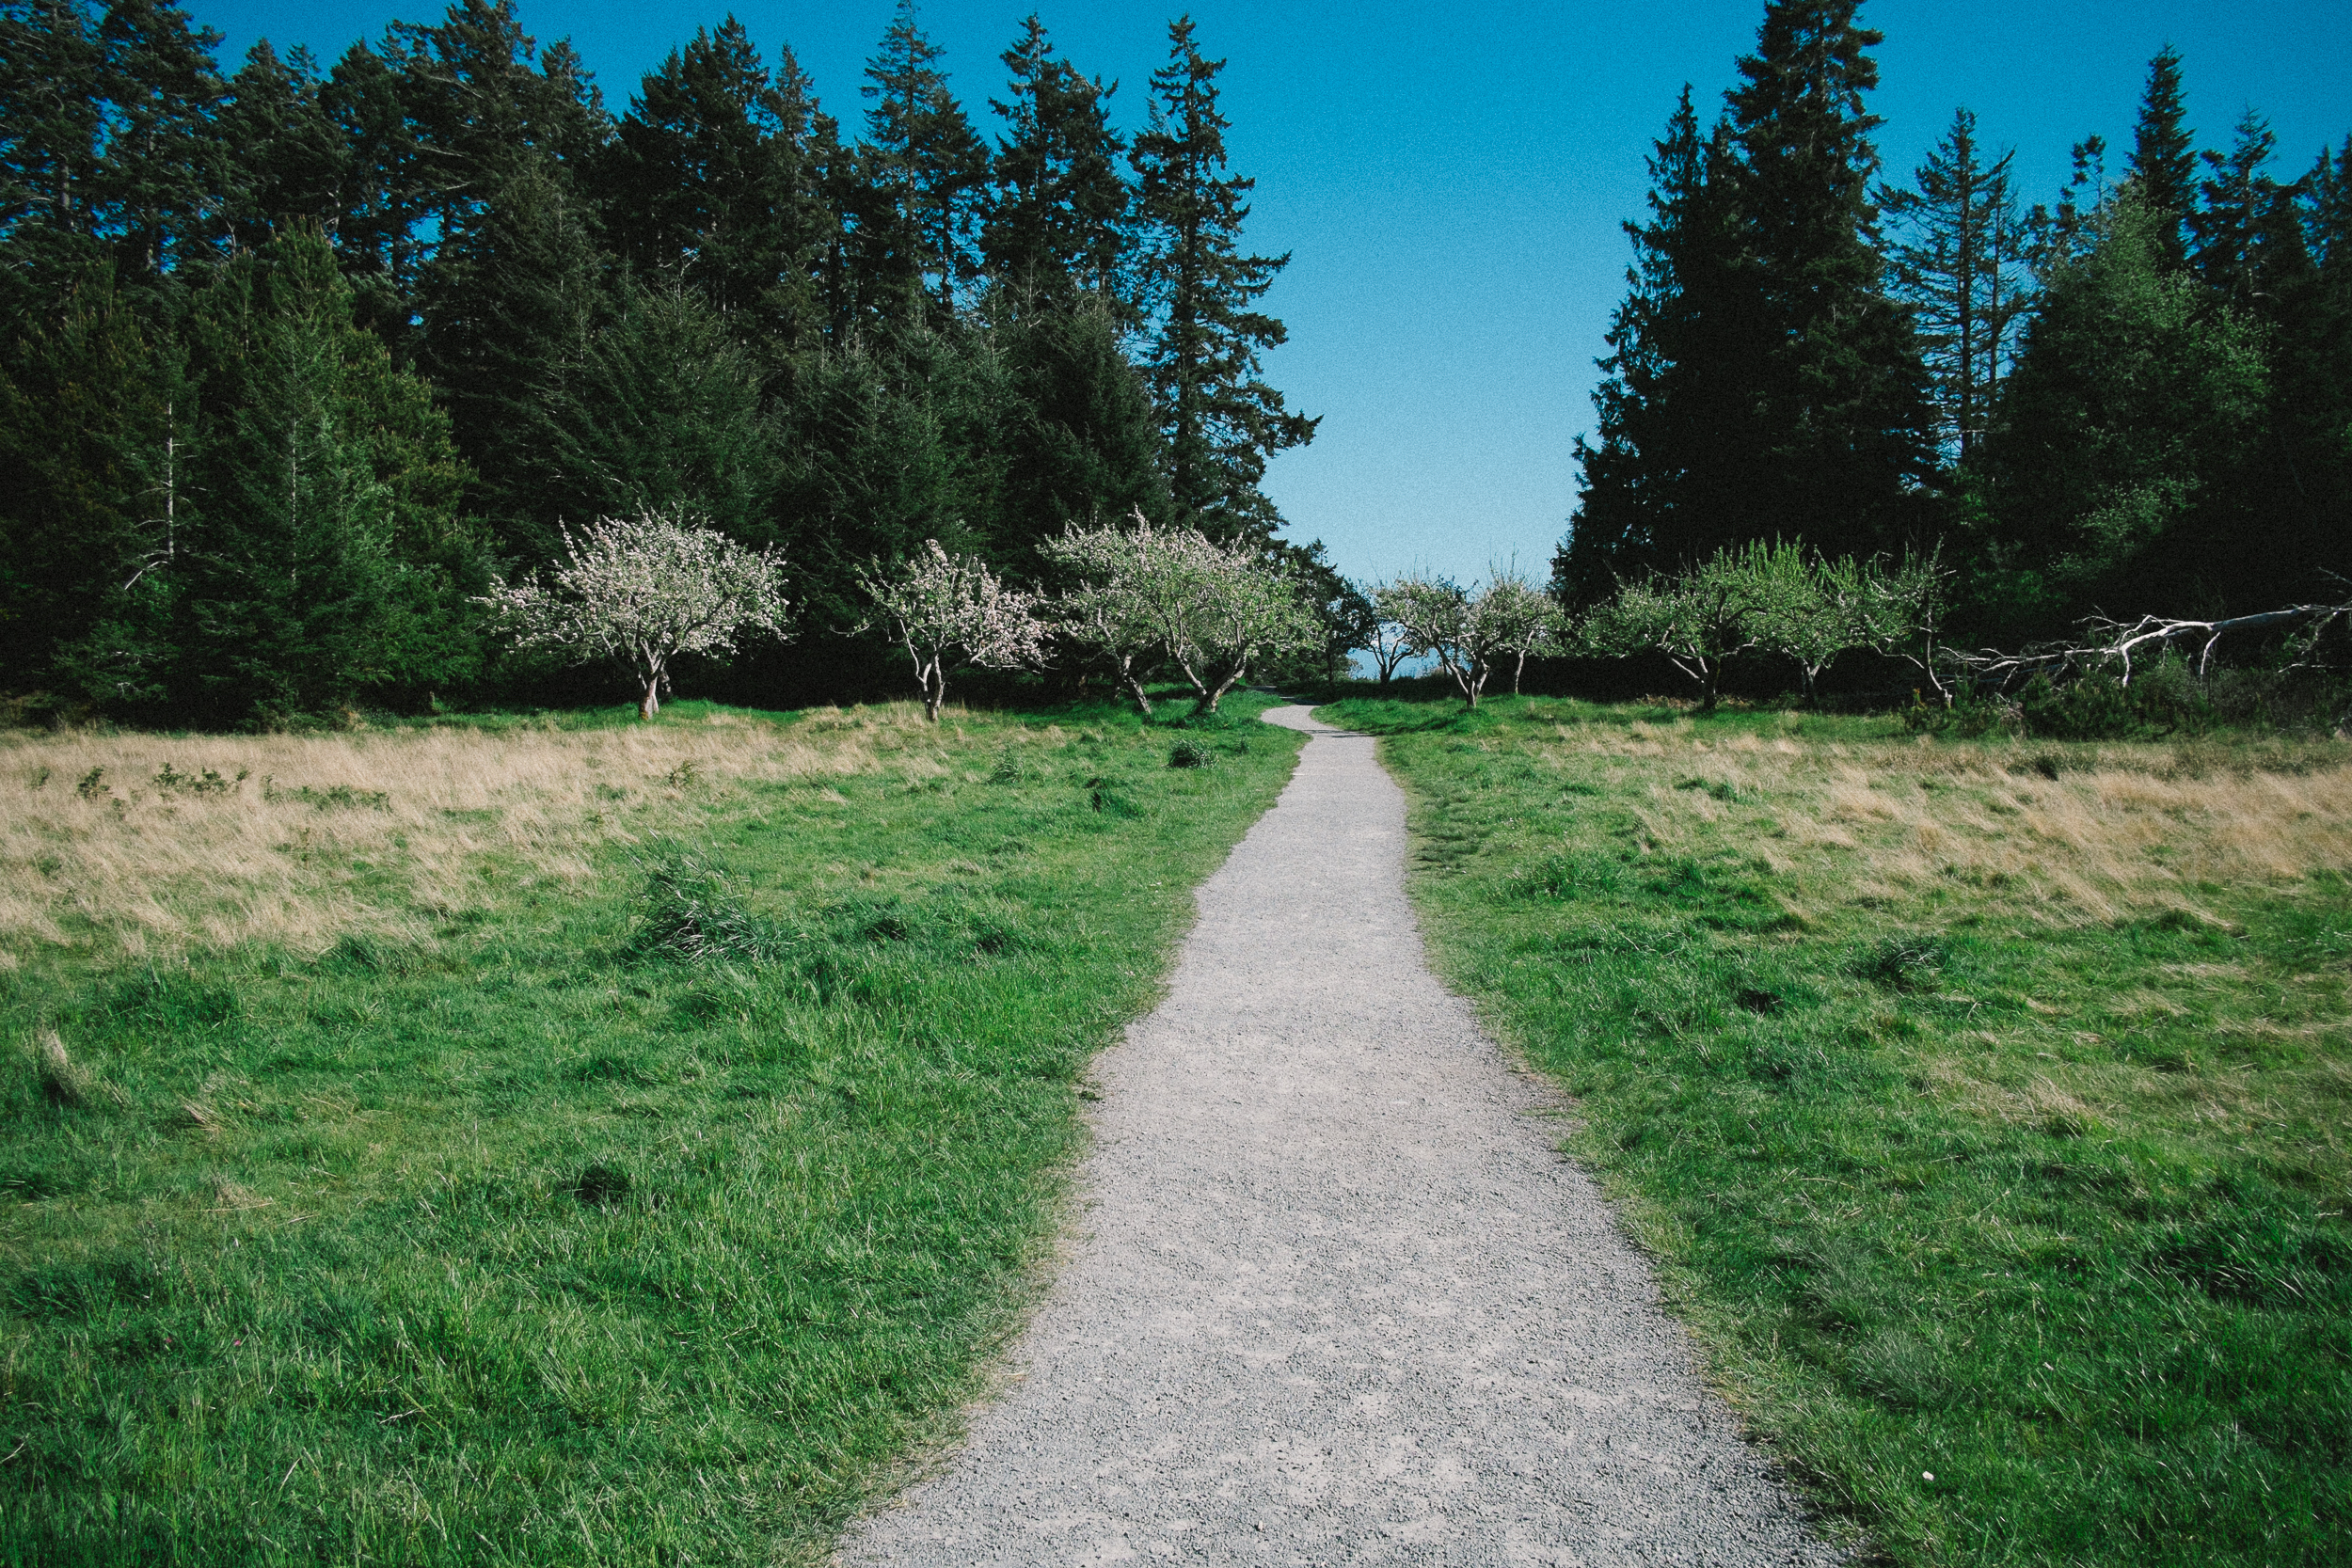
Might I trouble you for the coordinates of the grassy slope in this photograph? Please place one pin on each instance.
(473, 1234)
(1987, 1108)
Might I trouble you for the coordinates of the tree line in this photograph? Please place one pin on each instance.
(302, 361)
(2133, 399)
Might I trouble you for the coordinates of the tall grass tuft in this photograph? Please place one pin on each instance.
(694, 911)
(63, 1081)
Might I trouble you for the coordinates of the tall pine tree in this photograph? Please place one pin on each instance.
(923, 156)
(2247, 233)
(1845, 456)
(1671, 402)
(1762, 382)
(53, 115)
(93, 498)
(1221, 420)
(1957, 253)
(163, 184)
(2162, 160)
(329, 567)
(1057, 216)
(509, 302)
(713, 176)
(290, 162)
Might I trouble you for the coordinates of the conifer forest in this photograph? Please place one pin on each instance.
(2132, 399)
(300, 356)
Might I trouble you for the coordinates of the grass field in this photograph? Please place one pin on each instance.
(1988, 1107)
(549, 1141)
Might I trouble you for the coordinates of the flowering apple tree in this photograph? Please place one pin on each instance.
(1128, 604)
(643, 590)
(1147, 594)
(950, 611)
(1472, 633)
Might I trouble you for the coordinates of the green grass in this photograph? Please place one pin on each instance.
(645, 1214)
(1985, 1107)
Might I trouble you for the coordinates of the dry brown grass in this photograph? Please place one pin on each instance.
(133, 867)
(2122, 831)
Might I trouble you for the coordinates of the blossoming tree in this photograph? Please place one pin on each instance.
(950, 611)
(1146, 595)
(1129, 599)
(643, 590)
(1473, 632)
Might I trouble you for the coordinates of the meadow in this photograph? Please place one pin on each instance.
(1987, 1106)
(550, 1139)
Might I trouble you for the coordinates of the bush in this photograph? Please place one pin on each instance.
(2163, 701)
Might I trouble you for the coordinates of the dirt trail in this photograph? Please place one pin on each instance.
(1334, 1297)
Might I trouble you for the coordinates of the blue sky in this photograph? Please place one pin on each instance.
(1450, 182)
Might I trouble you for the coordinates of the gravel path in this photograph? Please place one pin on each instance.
(1335, 1297)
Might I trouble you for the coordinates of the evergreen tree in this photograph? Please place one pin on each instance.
(329, 567)
(288, 160)
(868, 470)
(107, 144)
(473, 113)
(162, 185)
(1955, 261)
(2314, 365)
(922, 155)
(381, 234)
(2254, 250)
(1080, 445)
(1846, 460)
(2162, 162)
(509, 301)
(2327, 212)
(713, 175)
(1345, 616)
(52, 126)
(478, 87)
(1672, 400)
(1221, 421)
(2055, 234)
(2128, 423)
(2248, 228)
(663, 411)
(92, 499)
(1055, 222)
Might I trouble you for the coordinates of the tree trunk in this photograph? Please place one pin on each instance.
(1518, 671)
(935, 693)
(1133, 683)
(651, 704)
(1211, 696)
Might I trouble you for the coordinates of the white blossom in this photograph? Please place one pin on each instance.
(1146, 595)
(1470, 633)
(948, 610)
(643, 590)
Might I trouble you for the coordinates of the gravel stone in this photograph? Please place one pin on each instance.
(1334, 1295)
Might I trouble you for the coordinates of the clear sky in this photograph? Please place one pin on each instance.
(1450, 181)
